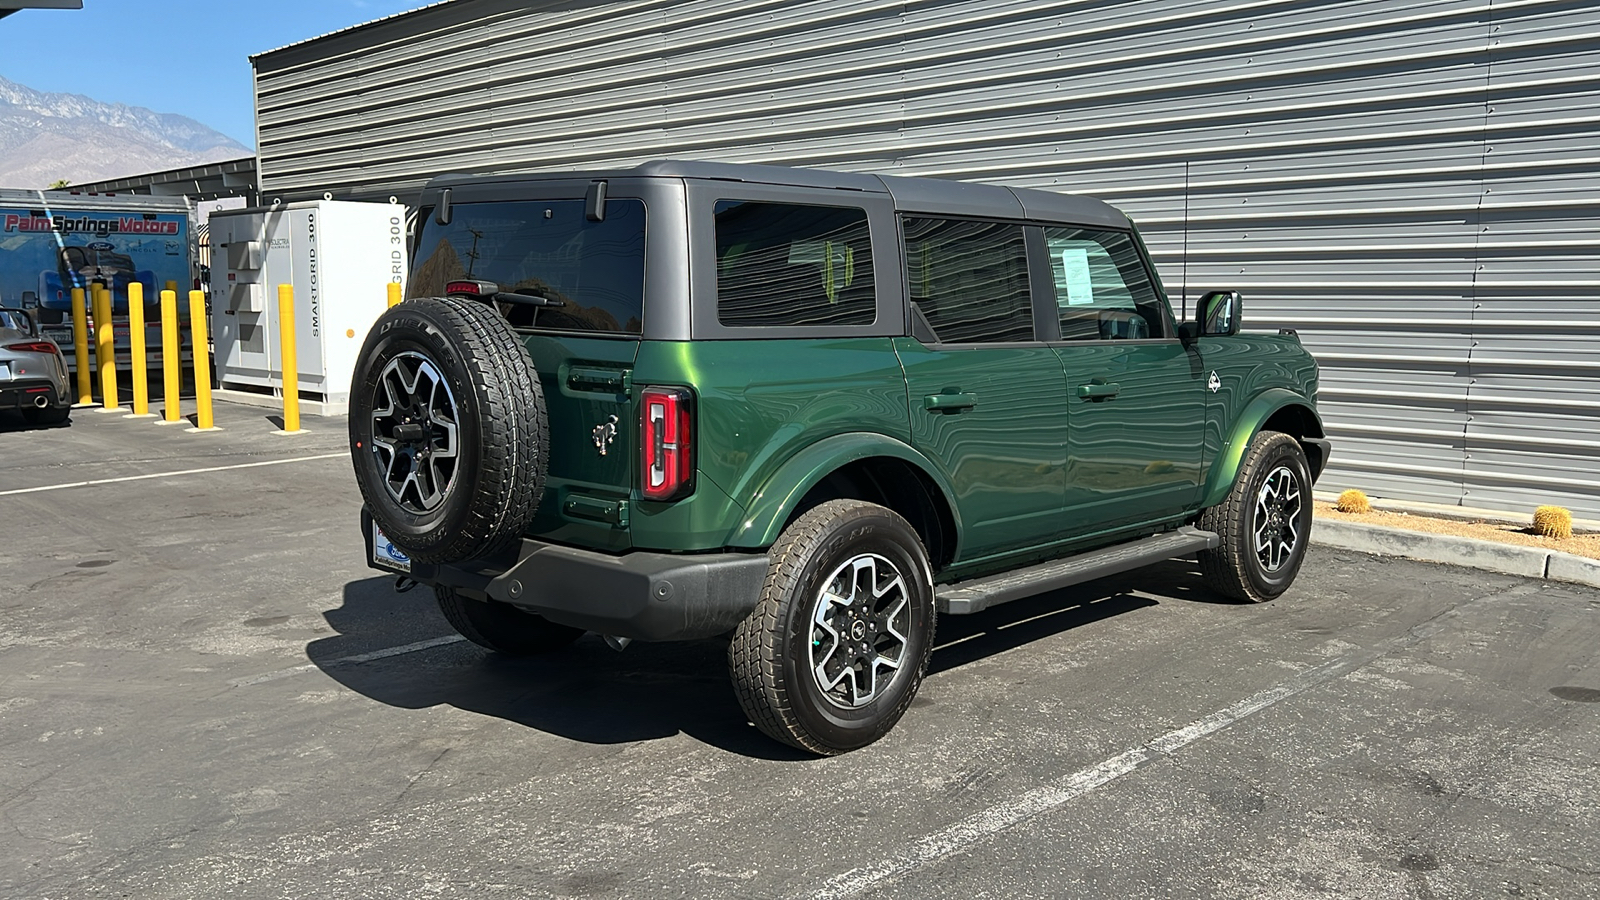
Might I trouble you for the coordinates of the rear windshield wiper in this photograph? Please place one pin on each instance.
(528, 299)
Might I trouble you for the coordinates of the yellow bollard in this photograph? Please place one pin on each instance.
(171, 286)
(80, 348)
(289, 360)
(394, 294)
(202, 360)
(106, 350)
(171, 356)
(136, 354)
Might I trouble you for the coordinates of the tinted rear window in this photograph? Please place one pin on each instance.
(970, 279)
(787, 264)
(548, 247)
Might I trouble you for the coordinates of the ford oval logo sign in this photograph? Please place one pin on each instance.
(102, 245)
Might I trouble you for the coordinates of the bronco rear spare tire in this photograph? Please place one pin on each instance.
(448, 432)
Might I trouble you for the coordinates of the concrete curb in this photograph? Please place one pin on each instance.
(1455, 513)
(1529, 562)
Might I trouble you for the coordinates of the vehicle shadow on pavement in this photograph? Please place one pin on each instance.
(585, 692)
(13, 421)
(590, 693)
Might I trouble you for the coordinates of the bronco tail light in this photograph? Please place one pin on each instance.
(666, 442)
(34, 347)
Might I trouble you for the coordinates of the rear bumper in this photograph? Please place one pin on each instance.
(23, 394)
(640, 595)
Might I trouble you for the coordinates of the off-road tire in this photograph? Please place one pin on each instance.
(502, 437)
(769, 657)
(1234, 569)
(49, 415)
(502, 627)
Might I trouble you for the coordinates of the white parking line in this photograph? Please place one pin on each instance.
(347, 660)
(962, 835)
(74, 484)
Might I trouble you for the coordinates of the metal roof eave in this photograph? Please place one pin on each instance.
(7, 7)
(344, 31)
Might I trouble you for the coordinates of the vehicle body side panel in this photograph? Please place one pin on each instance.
(1005, 455)
(1257, 375)
(788, 485)
(758, 405)
(1137, 456)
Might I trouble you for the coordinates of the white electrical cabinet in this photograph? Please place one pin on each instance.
(340, 257)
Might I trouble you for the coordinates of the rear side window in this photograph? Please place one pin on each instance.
(785, 264)
(1103, 291)
(595, 270)
(970, 279)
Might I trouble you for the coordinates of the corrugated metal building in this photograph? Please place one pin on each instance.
(1409, 183)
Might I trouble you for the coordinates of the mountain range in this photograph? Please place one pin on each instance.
(46, 136)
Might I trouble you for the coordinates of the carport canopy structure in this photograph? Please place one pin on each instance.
(7, 7)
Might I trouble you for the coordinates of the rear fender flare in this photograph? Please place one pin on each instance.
(770, 509)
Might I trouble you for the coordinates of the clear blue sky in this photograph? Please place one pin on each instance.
(189, 57)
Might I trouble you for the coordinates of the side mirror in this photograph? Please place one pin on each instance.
(30, 300)
(1218, 313)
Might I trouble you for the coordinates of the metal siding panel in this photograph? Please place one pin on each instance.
(1409, 183)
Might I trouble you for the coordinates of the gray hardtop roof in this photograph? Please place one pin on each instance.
(911, 195)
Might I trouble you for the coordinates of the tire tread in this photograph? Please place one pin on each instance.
(755, 655)
(1224, 568)
(508, 482)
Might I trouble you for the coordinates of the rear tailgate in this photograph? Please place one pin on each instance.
(587, 385)
(572, 285)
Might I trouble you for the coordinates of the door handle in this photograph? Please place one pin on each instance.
(952, 402)
(1099, 391)
(605, 381)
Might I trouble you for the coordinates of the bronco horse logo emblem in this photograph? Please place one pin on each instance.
(604, 434)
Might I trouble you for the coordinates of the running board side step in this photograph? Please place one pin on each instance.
(978, 594)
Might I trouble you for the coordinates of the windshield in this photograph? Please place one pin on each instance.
(594, 270)
(15, 321)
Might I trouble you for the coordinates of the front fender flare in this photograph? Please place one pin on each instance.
(1245, 427)
(771, 507)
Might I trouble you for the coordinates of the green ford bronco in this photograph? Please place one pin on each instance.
(810, 411)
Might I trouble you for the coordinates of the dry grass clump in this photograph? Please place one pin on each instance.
(1552, 521)
(1353, 501)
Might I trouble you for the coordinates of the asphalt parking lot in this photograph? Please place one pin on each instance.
(205, 693)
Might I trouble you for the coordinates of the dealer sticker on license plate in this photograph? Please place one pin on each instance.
(386, 554)
(5, 372)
